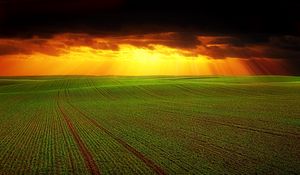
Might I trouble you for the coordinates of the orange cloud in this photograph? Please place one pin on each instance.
(149, 54)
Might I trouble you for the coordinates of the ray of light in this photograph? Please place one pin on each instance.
(128, 59)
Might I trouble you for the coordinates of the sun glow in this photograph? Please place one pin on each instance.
(125, 58)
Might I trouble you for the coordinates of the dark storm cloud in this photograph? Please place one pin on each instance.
(282, 47)
(26, 18)
(60, 43)
(7, 49)
(246, 28)
(30, 46)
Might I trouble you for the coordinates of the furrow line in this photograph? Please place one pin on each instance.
(89, 161)
(253, 129)
(156, 168)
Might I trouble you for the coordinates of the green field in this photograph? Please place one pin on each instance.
(150, 125)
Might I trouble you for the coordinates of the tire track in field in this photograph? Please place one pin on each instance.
(207, 147)
(272, 132)
(261, 130)
(155, 148)
(72, 164)
(214, 148)
(101, 91)
(149, 92)
(88, 158)
(156, 168)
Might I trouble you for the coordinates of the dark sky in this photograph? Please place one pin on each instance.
(274, 26)
(24, 18)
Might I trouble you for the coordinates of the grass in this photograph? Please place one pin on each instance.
(150, 125)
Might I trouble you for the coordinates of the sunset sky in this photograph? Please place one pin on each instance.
(119, 37)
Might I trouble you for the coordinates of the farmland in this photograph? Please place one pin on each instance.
(150, 125)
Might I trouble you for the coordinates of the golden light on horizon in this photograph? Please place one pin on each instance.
(115, 56)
